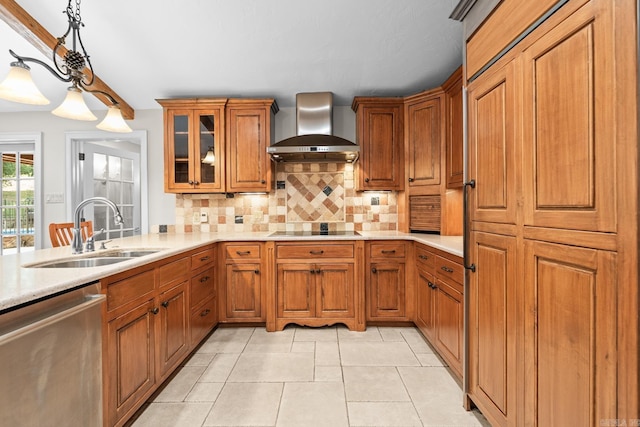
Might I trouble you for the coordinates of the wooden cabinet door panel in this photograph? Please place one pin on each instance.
(570, 334)
(247, 163)
(207, 134)
(569, 163)
(492, 150)
(131, 359)
(449, 324)
(381, 164)
(426, 303)
(387, 290)
(335, 290)
(492, 325)
(455, 130)
(243, 291)
(425, 138)
(174, 331)
(203, 319)
(296, 291)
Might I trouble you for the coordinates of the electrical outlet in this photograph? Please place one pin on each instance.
(204, 218)
(196, 218)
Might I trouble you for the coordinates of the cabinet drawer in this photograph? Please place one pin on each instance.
(173, 273)
(249, 251)
(449, 269)
(127, 290)
(318, 250)
(388, 250)
(203, 258)
(424, 258)
(202, 287)
(202, 321)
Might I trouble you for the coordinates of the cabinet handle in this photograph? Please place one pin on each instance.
(196, 183)
(191, 182)
(263, 181)
(165, 304)
(204, 279)
(256, 271)
(448, 270)
(155, 310)
(318, 271)
(374, 270)
(204, 258)
(205, 312)
(423, 257)
(391, 251)
(316, 252)
(465, 225)
(243, 252)
(432, 286)
(366, 180)
(312, 271)
(410, 179)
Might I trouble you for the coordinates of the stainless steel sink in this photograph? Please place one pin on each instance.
(96, 259)
(81, 262)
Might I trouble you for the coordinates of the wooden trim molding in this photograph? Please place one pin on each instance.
(25, 25)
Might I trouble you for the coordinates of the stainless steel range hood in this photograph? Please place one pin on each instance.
(314, 141)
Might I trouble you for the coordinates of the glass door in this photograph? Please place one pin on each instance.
(208, 170)
(18, 199)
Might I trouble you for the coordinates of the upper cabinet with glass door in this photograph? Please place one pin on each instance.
(194, 139)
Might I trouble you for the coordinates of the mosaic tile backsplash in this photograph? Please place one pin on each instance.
(306, 195)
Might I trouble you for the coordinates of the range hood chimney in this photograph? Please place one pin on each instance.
(315, 141)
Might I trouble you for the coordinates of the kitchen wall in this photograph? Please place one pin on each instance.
(163, 208)
(306, 195)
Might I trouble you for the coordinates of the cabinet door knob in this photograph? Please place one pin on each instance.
(263, 181)
(256, 271)
(197, 182)
(366, 180)
(165, 304)
(155, 310)
(312, 271)
(318, 271)
(410, 179)
(190, 182)
(374, 270)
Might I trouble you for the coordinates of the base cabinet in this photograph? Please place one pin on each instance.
(387, 291)
(440, 298)
(242, 291)
(316, 285)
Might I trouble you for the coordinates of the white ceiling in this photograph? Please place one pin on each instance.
(148, 49)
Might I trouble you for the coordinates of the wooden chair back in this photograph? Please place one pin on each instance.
(61, 234)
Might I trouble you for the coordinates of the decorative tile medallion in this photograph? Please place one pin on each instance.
(315, 197)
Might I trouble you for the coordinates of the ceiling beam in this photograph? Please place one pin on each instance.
(25, 25)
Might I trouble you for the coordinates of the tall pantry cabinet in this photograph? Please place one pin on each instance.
(552, 152)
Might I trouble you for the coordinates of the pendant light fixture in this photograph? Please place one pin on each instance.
(74, 68)
(210, 157)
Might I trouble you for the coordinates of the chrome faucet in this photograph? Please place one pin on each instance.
(77, 233)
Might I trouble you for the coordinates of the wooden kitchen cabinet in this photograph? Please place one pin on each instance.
(237, 131)
(425, 135)
(249, 133)
(202, 295)
(550, 219)
(191, 128)
(387, 290)
(424, 262)
(316, 285)
(453, 108)
(243, 293)
(173, 337)
(379, 132)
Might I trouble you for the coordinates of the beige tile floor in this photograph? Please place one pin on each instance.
(311, 377)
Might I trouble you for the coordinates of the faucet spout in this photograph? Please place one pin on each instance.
(77, 235)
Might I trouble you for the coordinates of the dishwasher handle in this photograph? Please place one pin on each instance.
(88, 302)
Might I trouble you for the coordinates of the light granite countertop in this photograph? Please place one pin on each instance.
(21, 284)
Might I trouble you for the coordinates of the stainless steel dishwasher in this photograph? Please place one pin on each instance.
(51, 361)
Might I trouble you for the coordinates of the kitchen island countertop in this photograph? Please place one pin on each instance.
(20, 284)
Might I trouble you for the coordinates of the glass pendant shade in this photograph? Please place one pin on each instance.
(209, 158)
(19, 87)
(113, 121)
(73, 107)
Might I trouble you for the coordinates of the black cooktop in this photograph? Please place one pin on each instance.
(315, 233)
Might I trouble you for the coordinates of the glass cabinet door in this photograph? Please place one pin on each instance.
(208, 138)
(180, 172)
